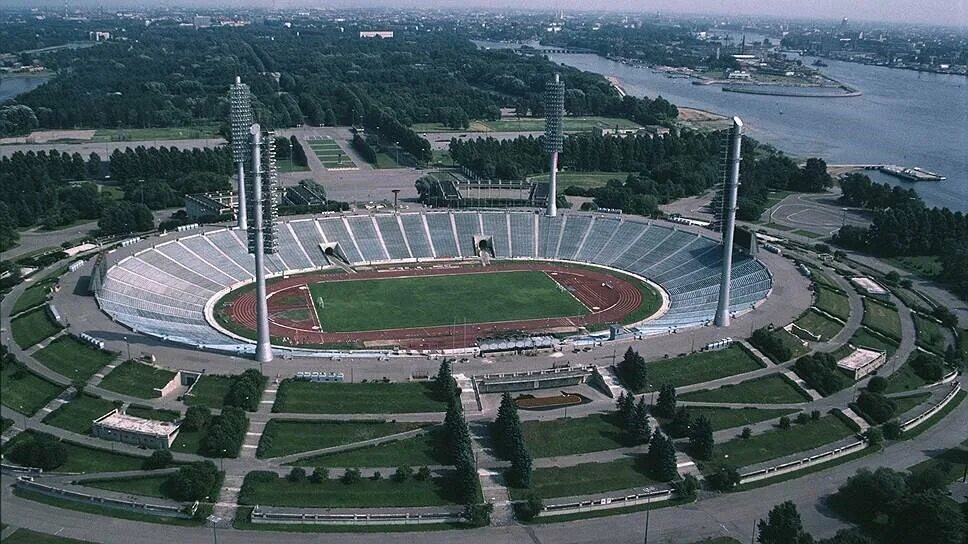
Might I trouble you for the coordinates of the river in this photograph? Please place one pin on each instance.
(903, 117)
(11, 86)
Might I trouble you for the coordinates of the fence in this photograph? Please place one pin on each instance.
(799, 464)
(606, 503)
(402, 518)
(153, 509)
(919, 419)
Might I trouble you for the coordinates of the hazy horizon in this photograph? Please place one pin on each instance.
(936, 12)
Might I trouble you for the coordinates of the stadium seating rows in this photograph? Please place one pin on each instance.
(163, 290)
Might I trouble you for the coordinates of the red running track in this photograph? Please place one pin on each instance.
(610, 299)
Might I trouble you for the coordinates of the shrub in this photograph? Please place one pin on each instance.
(687, 487)
(784, 423)
(422, 474)
(892, 430)
(351, 476)
(765, 341)
(402, 474)
(478, 515)
(246, 390)
(196, 418)
(40, 451)
(815, 415)
(874, 436)
(529, 508)
(876, 406)
(820, 372)
(802, 418)
(723, 478)
(377, 476)
(296, 475)
(746, 433)
(877, 384)
(193, 482)
(927, 367)
(319, 475)
(158, 459)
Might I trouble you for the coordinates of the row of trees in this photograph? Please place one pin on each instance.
(820, 371)
(509, 442)
(226, 433)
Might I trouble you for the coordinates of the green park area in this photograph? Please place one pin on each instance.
(833, 302)
(76, 416)
(427, 301)
(304, 397)
(146, 486)
(773, 389)
(81, 458)
(818, 323)
(73, 359)
(283, 437)
(33, 296)
(729, 418)
(778, 443)
(261, 488)
(147, 134)
(425, 449)
(31, 327)
(584, 180)
(24, 391)
(865, 338)
(530, 124)
(329, 153)
(927, 266)
(137, 379)
(931, 335)
(567, 436)
(882, 318)
(147, 412)
(586, 479)
(824, 279)
(701, 367)
(209, 390)
(904, 379)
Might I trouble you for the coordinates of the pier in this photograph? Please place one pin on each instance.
(913, 173)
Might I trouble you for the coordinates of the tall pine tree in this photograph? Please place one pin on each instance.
(701, 438)
(662, 458)
(665, 406)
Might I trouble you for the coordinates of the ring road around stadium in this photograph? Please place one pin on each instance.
(428, 281)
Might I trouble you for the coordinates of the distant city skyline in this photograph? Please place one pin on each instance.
(937, 12)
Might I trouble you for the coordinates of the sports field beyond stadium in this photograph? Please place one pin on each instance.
(429, 301)
(439, 306)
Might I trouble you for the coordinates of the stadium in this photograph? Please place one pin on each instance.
(410, 283)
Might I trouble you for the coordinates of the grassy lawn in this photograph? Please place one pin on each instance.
(329, 153)
(24, 391)
(904, 379)
(142, 134)
(779, 443)
(931, 335)
(790, 341)
(298, 436)
(927, 266)
(911, 300)
(303, 397)
(441, 157)
(334, 494)
(147, 412)
(148, 486)
(701, 367)
(35, 295)
(820, 277)
(728, 418)
(84, 459)
(32, 327)
(26, 536)
(188, 442)
(567, 436)
(772, 389)
(818, 323)
(951, 462)
(385, 160)
(425, 301)
(137, 379)
(882, 318)
(76, 416)
(905, 404)
(586, 479)
(834, 303)
(424, 449)
(865, 338)
(72, 359)
(808, 233)
(585, 180)
(287, 165)
(100, 510)
(209, 390)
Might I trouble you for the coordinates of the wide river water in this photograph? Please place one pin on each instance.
(11, 86)
(903, 117)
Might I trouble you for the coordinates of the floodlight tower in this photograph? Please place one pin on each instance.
(261, 228)
(729, 221)
(240, 113)
(554, 112)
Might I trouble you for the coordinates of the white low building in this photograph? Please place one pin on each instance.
(869, 287)
(862, 361)
(156, 435)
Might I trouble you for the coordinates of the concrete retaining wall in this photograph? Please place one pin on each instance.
(919, 419)
(260, 515)
(153, 509)
(606, 503)
(800, 464)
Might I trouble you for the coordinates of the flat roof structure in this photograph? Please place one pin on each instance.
(134, 430)
(862, 361)
(869, 286)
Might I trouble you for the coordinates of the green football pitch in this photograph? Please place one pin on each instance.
(430, 301)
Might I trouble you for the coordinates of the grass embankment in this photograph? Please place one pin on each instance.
(773, 389)
(304, 397)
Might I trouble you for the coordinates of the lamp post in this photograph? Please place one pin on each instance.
(395, 193)
(128, 345)
(214, 521)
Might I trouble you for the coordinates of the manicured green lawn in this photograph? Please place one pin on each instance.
(824, 279)
(779, 443)
(833, 302)
(818, 323)
(137, 379)
(73, 359)
(882, 318)
(864, 338)
(210, 390)
(329, 153)
(794, 344)
(147, 412)
(148, 486)
(772, 389)
(931, 334)
(304, 397)
(24, 391)
(32, 327)
(26, 536)
(35, 295)
(927, 266)
(585, 180)
(188, 442)
(701, 367)
(422, 450)
(904, 404)
(282, 437)
(426, 301)
(385, 160)
(287, 165)
(567, 436)
(76, 416)
(104, 511)
(84, 459)
(143, 134)
(904, 379)
(728, 418)
(951, 462)
(365, 494)
(586, 479)
(911, 300)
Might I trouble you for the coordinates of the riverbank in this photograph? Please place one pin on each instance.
(617, 84)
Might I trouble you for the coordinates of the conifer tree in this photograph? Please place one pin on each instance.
(665, 406)
(701, 438)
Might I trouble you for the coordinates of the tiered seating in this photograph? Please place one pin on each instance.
(163, 290)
